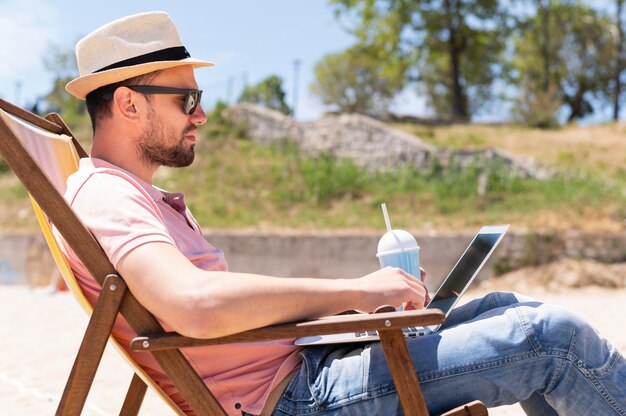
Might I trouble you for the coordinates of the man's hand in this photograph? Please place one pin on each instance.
(391, 286)
(407, 306)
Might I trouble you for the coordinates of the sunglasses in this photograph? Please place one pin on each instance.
(192, 97)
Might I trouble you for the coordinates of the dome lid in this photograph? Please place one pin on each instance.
(396, 241)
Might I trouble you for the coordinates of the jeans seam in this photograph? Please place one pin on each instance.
(473, 367)
(591, 377)
(365, 367)
(334, 407)
(605, 370)
(530, 337)
(576, 362)
(558, 373)
(310, 380)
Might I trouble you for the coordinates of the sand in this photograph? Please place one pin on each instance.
(41, 333)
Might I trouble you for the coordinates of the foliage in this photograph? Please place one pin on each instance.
(327, 179)
(62, 64)
(355, 82)
(4, 166)
(452, 47)
(567, 46)
(462, 53)
(619, 59)
(239, 183)
(537, 108)
(219, 125)
(268, 93)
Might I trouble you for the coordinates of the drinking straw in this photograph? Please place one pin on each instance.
(386, 215)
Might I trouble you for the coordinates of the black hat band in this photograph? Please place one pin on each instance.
(175, 53)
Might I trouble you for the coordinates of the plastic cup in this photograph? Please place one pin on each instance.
(398, 248)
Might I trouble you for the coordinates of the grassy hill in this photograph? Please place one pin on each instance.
(236, 183)
(598, 150)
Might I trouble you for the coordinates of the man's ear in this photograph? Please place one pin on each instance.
(125, 103)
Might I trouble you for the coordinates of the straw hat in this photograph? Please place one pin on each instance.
(126, 48)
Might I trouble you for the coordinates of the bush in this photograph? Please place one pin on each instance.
(327, 178)
(4, 167)
(538, 108)
(219, 125)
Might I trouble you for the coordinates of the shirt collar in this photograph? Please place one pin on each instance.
(155, 193)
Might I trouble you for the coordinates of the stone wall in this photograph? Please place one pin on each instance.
(370, 143)
(24, 259)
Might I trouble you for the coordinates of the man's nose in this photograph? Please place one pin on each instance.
(198, 117)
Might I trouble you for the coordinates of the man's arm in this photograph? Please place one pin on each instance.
(208, 304)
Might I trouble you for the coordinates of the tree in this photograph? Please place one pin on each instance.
(268, 93)
(355, 82)
(62, 63)
(566, 47)
(544, 41)
(452, 48)
(619, 61)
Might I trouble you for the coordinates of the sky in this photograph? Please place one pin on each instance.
(247, 40)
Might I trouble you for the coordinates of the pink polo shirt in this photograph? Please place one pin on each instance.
(123, 212)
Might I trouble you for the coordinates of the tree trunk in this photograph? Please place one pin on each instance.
(579, 107)
(459, 108)
(618, 59)
(545, 52)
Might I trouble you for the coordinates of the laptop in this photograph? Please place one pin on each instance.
(452, 288)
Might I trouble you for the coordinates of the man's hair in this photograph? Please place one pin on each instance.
(99, 107)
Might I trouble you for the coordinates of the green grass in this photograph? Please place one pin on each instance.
(236, 183)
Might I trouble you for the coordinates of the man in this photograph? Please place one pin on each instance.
(144, 102)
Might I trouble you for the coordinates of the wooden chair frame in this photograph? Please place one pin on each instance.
(165, 347)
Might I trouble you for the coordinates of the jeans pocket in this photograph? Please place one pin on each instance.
(336, 374)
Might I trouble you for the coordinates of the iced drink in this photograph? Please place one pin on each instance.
(398, 248)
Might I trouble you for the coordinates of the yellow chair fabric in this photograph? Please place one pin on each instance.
(57, 157)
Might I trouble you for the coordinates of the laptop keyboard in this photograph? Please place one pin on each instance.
(365, 334)
(408, 332)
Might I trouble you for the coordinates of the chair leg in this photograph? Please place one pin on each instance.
(92, 347)
(403, 373)
(134, 397)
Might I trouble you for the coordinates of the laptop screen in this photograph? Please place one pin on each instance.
(466, 268)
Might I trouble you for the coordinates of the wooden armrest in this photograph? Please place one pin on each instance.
(323, 326)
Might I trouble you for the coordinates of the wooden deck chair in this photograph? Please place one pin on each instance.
(42, 153)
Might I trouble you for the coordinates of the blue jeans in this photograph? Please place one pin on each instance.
(501, 349)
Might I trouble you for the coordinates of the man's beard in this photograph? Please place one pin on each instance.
(153, 148)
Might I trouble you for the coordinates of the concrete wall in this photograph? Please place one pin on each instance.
(24, 259)
(347, 255)
(332, 255)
